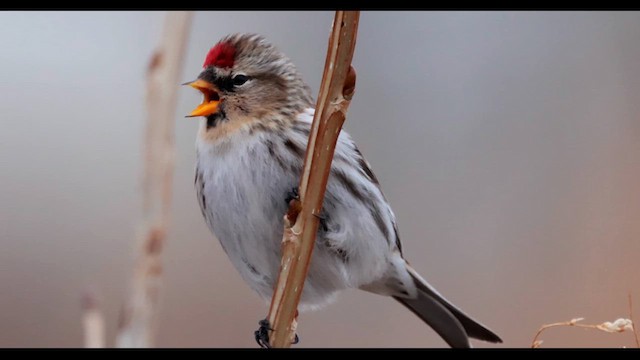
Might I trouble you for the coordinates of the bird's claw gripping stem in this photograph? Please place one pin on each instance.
(292, 195)
(262, 334)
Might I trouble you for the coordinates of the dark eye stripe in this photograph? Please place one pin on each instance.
(225, 84)
(229, 84)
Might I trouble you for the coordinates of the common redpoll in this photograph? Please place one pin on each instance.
(250, 150)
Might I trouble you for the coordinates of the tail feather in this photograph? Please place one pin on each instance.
(453, 325)
(439, 318)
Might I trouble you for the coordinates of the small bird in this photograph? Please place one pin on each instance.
(250, 151)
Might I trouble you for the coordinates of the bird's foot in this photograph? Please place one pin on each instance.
(294, 206)
(292, 195)
(262, 334)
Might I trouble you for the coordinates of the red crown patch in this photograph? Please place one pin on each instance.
(222, 55)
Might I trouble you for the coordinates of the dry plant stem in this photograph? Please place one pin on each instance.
(139, 315)
(635, 329)
(620, 325)
(336, 90)
(92, 323)
(573, 322)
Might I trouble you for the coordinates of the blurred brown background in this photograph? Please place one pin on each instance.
(507, 142)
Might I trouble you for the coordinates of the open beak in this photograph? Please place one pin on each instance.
(211, 98)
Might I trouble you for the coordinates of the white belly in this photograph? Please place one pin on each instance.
(243, 202)
(242, 182)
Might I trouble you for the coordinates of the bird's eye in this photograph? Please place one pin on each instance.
(239, 79)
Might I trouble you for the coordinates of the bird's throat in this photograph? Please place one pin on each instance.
(214, 119)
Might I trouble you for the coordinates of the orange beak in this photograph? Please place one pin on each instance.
(211, 99)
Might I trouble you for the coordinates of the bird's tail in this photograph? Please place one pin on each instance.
(454, 326)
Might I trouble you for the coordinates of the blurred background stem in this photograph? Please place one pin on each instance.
(139, 315)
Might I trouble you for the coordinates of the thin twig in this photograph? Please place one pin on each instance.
(92, 322)
(139, 315)
(336, 91)
(635, 329)
(617, 326)
(573, 322)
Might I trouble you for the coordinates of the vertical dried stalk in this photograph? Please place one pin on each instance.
(336, 91)
(92, 323)
(139, 316)
(635, 327)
